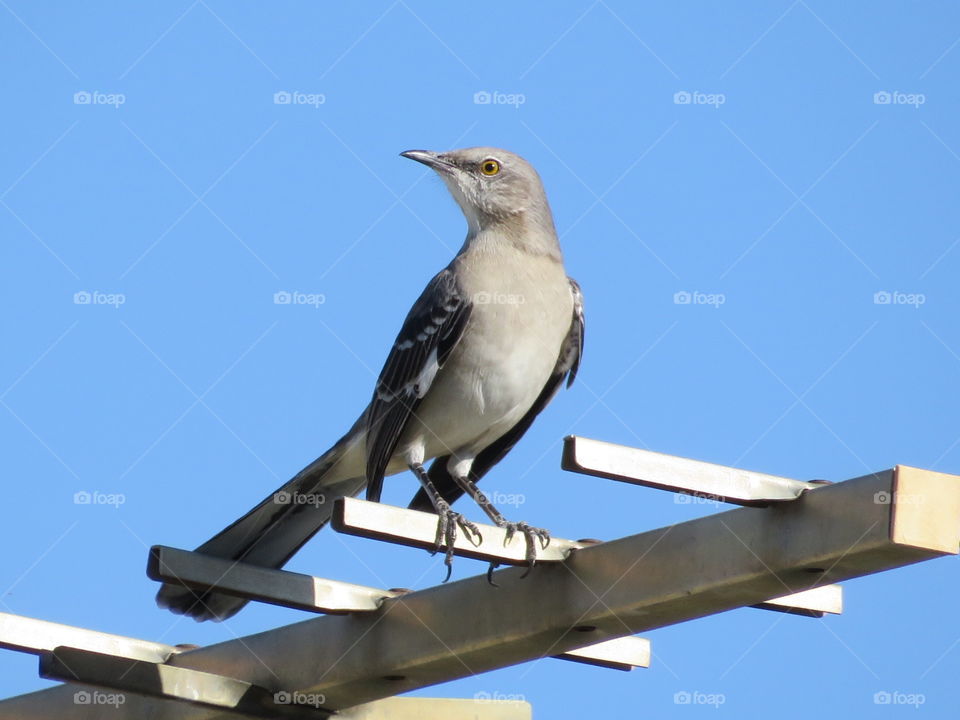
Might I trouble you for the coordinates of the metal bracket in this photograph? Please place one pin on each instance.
(29, 635)
(624, 653)
(681, 475)
(482, 706)
(277, 587)
(815, 602)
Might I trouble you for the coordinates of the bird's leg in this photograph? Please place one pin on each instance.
(531, 534)
(447, 520)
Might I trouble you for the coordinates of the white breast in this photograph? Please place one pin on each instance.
(520, 317)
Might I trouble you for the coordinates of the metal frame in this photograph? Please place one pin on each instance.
(601, 592)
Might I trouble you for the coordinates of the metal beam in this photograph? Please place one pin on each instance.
(304, 592)
(419, 529)
(175, 683)
(667, 472)
(277, 587)
(39, 636)
(613, 589)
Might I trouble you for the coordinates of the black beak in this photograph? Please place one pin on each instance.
(429, 158)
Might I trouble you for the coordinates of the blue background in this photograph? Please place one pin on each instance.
(797, 200)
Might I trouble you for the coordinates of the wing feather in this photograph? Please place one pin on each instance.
(431, 330)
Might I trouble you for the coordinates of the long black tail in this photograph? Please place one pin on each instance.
(269, 534)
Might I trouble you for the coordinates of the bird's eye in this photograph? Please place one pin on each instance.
(489, 167)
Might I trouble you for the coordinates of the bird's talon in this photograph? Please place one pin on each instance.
(493, 566)
(446, 538)
(530, 535)
(470, 530)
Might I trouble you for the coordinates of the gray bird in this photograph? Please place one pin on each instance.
(484, 349)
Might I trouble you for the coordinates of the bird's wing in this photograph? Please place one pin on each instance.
(567, 365)
(432, 329)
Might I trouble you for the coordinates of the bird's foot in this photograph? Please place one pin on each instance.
(531, 535)
(447, 523)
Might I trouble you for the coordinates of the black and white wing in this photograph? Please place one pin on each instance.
(432, 329)
(566, 368)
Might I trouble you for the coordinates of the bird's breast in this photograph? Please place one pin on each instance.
(520, 316)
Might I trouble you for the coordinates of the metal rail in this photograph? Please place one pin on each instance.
(597, 594)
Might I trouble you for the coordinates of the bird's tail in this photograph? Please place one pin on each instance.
(271, 533)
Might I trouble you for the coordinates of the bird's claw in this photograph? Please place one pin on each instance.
(531, 535)
(447, 523)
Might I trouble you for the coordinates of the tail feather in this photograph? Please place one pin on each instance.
(269, 534)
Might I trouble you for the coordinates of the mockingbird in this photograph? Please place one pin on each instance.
(481, 353)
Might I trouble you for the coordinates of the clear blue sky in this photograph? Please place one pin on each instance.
(785, 188)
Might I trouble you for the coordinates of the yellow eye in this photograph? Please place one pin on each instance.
(490, 167)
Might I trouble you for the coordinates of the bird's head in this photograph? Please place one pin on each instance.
(491, 186)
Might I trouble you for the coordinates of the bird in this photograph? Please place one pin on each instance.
(483, 350)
